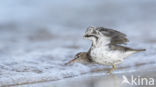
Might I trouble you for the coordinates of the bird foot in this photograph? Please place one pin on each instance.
(113, 68)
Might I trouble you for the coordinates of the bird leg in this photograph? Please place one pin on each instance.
(113, 68)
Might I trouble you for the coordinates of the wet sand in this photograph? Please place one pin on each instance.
(101, 79)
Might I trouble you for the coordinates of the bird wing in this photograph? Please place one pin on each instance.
(116, 36)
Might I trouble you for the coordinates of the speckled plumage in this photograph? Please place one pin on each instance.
(106, 48)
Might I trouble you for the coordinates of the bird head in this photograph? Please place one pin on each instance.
(80, 57)
(91, 33)
(96, 34)
(109, 36)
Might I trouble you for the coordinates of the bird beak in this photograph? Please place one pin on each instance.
(85, 36)
(70, 62)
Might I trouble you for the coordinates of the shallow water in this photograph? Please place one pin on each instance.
(100, 79)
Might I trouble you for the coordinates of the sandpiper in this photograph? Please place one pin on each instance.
(106, 47)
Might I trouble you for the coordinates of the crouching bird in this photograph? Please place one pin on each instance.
(106, 47)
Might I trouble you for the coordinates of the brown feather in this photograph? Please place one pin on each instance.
(116, 36)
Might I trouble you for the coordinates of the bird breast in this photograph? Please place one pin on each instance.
(103, 55)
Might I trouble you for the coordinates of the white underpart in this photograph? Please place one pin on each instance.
(93, 39)
(101, 53)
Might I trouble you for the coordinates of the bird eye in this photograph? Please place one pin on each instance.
(78, 55)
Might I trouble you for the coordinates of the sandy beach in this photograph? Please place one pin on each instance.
(102, 79)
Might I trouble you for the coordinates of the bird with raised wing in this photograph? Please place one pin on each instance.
(106, 46)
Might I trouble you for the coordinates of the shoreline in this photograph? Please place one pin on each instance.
(93, 78)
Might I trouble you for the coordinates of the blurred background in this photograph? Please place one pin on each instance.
(38, 36)
(59, 17)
